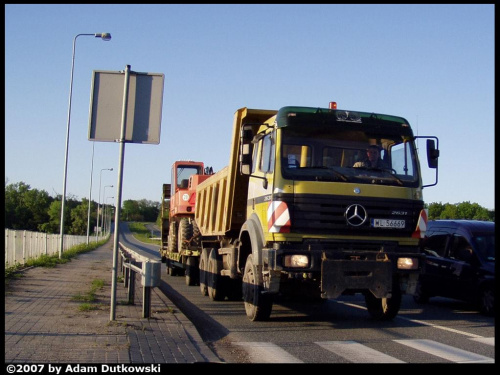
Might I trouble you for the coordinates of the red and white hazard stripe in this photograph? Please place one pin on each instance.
(421, 225)
(278, 217)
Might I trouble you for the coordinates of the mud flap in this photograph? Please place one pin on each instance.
(339, 275)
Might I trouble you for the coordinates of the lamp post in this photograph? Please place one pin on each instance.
(99, 202)
(107, 212)
(103, 203)
(103, 36)
(90, 192)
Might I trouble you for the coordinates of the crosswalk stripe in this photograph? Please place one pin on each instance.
(445, 351)
(356, 352)
(485, 340)
(266, 352)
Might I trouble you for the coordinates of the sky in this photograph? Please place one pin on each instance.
(431, 64)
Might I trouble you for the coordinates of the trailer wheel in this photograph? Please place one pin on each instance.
(258, 305)
(384, 308)
(214, 278)
(192, 274)
(203, 272)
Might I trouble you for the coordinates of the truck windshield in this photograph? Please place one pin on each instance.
(348, 154)
(183, 174)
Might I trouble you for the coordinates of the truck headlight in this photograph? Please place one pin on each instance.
(296, 261)
(407, 263)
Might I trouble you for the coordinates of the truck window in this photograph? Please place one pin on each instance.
(326, 153)
(183, 172)
(401, 159)
(266, 164)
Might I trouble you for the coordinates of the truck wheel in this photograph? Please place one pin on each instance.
(384, 308)
(192, 274)
(185, 234)
(203, 272)
(214, 279)
(258, 306)
(172, 238)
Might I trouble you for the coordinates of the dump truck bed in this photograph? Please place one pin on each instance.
(222, 198)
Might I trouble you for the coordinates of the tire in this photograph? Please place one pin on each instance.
(196, 235)
(172, 238)
(487, 301)
(258, 306)
(192, 274)
(203, 272)
(185, 234)
(215, 287)
(384, 308)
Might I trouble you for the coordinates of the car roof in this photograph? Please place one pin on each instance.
(473, 226)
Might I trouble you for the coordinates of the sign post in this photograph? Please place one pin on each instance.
(124, 107)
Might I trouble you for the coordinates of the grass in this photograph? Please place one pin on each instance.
(89, 297)
(142, 233)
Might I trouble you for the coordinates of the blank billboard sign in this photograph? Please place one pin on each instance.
(144, 105)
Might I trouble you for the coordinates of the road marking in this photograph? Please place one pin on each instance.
(447, 352)
(441, 327)
(356, 352)
(266, 352)
(420, 322)
(485, 340)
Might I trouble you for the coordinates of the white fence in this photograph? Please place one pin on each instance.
(21, 245)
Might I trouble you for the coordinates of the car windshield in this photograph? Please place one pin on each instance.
(485, 246)
(326, 153)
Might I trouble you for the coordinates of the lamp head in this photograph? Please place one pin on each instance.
(103, 36)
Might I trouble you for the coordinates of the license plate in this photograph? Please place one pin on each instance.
(388, 223)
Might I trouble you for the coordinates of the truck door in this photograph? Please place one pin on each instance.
(261, 180)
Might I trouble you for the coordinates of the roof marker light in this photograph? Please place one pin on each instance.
(333, 105)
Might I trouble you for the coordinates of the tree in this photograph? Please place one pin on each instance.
(79, 218)
(459, 211)
(25, 208)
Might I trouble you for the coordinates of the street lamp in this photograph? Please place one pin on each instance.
(90, 192)
(99, 202)
(103, 36)
(108, 213)
(102, 213)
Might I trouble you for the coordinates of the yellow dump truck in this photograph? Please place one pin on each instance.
(316, 200)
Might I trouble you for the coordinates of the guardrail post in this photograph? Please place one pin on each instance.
(146, 301)
(131, 285)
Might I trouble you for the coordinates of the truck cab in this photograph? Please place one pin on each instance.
(329, 216)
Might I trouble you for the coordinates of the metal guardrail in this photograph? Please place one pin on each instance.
(150, 270)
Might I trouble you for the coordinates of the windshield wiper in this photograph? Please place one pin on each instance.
(336, 173)
(384, 170)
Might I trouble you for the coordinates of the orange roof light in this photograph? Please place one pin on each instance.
(333, 105)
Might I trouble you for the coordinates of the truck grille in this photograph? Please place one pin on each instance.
(325, 214)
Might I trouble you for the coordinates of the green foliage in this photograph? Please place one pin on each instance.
(34, 210)
(142, 233)
(459, 211)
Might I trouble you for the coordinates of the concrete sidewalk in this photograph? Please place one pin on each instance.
(46, 323)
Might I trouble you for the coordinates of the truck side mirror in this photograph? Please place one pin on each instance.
(432, 154)
(246, 137)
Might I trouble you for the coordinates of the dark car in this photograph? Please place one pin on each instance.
(459, 262)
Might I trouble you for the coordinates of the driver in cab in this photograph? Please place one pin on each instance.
(372, 160)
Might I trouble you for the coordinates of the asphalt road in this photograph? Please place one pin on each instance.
(334, 331)
(338, 331)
